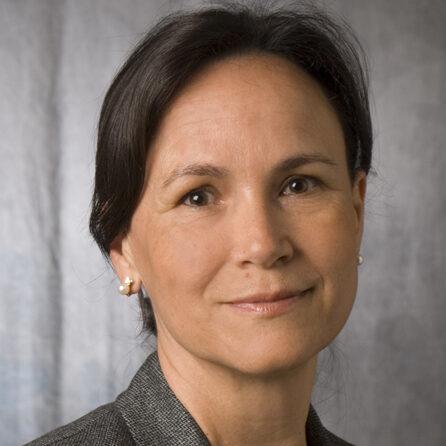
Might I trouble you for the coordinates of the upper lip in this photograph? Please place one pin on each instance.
(268, 297)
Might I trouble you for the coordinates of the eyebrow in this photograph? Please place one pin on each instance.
(206, 169)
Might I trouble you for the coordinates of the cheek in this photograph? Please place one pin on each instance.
(340, 265)
(328, 237)
(328, 242)
(175, 262)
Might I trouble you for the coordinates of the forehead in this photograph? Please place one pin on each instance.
(247, 85)
(258, 103)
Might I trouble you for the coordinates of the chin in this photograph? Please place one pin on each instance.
(267, 359)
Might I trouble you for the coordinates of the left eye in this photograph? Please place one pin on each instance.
(197, 195)
(303, 180)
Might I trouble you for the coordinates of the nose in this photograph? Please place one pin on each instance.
(261, 236)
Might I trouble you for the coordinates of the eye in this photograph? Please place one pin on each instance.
(305, 181)
(195, 196)
(198, 196)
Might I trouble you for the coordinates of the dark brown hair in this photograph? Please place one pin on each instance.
(176, 48)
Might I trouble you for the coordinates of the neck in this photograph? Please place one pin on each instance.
(236, 409)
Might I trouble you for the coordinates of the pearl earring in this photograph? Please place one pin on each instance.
(124, 288)
(360, 259)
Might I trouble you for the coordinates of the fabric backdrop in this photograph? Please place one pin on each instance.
(68, 339)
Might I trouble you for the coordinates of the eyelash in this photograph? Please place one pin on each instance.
(194, 191)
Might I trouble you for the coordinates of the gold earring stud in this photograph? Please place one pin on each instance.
(124, 288)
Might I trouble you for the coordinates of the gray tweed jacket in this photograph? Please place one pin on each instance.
(148, 413)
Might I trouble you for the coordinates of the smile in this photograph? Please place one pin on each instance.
(274, 308)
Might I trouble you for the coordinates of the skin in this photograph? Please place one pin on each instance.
(246, 378)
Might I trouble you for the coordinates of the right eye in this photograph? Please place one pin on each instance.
(195, 196)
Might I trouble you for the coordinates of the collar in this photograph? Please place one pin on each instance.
(155, 416)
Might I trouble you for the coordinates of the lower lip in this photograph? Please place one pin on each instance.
(270, 308)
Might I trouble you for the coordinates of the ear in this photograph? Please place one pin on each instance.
(121, 256)
(359, 194)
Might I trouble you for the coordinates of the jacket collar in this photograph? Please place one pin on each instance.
(154, 415)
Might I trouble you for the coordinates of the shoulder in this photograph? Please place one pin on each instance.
(103, 425)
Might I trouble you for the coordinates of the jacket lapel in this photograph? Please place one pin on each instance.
(155, 416)
(153, 413)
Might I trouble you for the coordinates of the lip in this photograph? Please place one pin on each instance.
(269, 304)
(268, 297)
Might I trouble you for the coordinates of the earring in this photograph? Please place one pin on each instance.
(360, 259)
(124, 288)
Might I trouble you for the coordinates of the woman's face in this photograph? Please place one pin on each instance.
(244, 226)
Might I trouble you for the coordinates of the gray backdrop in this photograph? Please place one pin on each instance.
(62, 322)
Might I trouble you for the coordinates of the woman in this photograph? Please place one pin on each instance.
(204, 135)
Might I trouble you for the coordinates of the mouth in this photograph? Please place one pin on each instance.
(269, 297)
(270, 305)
